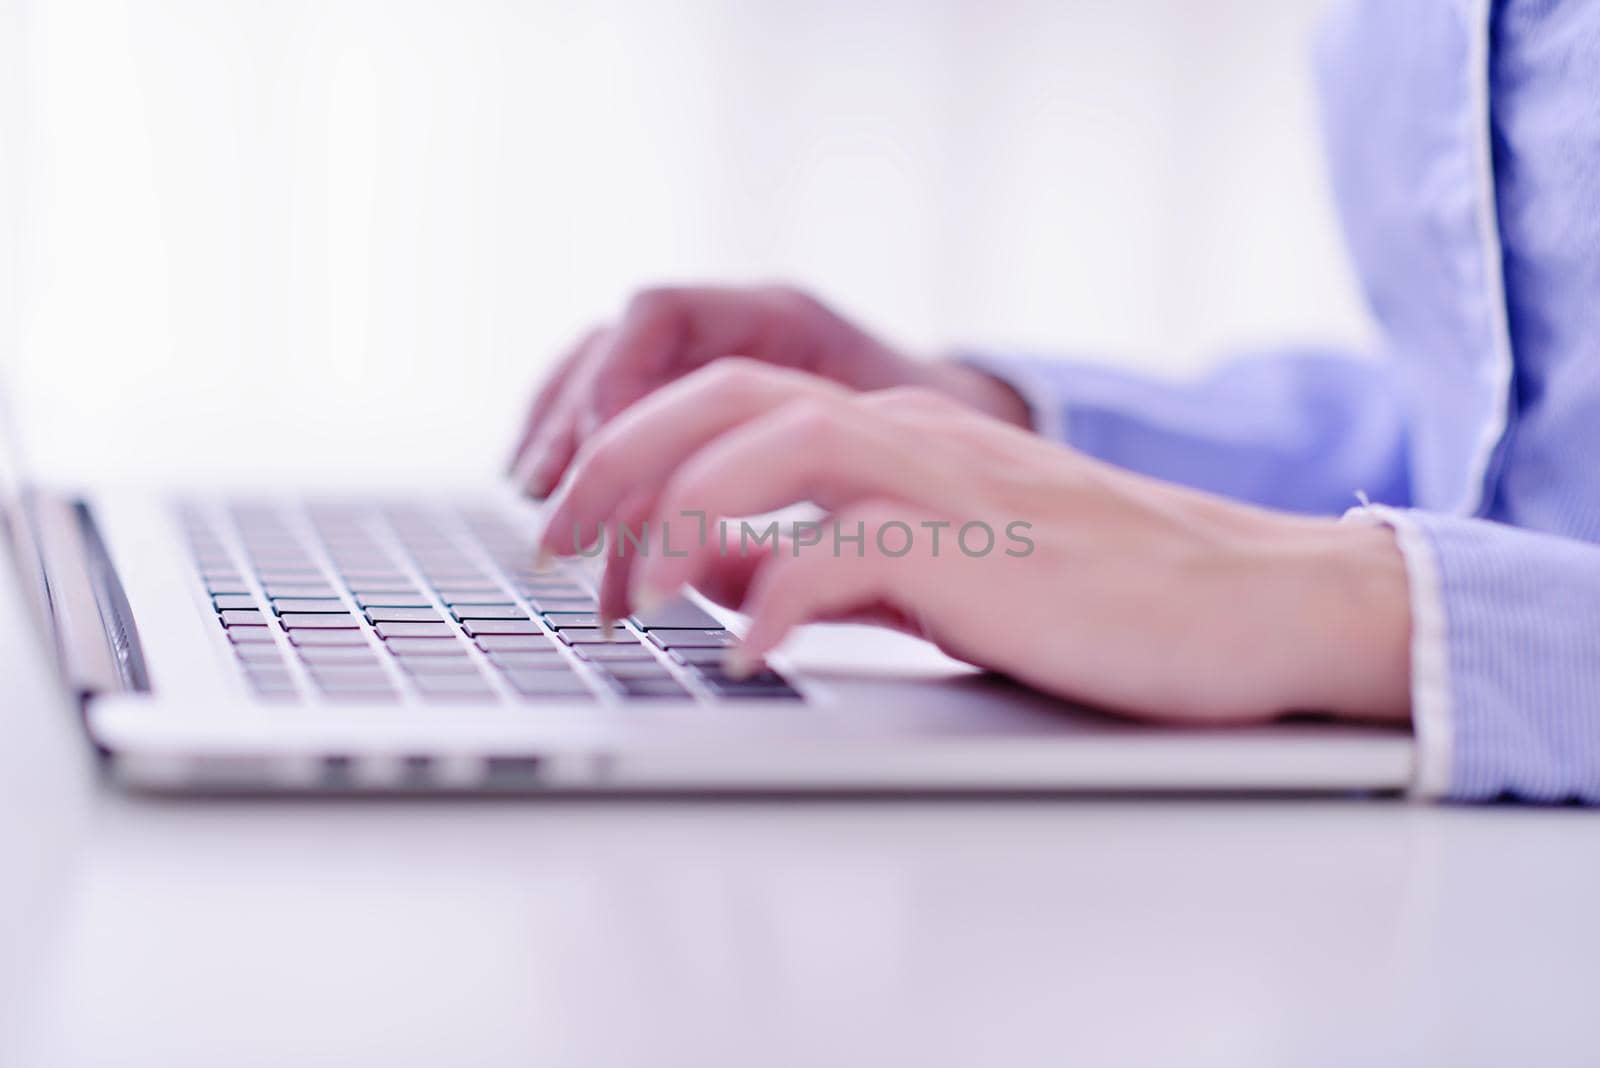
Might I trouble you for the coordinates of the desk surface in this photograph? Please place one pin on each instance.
(175, 933)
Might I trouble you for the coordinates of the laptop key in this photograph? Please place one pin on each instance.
(636, 669)
(417, 647)
(339, 654)
(251, 636)
(226, 601)
(440, 665)
(692, 639)
(389, 614)
(653, 688)
(277, 677)
(354, 569)
(314, 590)
(328, 637)
(350, 676)
(259, 653)
(468, 594)
(713, 675)
(227, 586)
(386, 592)
(357, 689)
(307, 604)
(393, 600)
(764, 683)
(305, 576)
(454, 686)
(364, 570)
(242, 617)
(547, 684)
(318, 621)
(551, 584)
(565, 620)
(700, 657)
(595, 636)
(603, 653)
(741, 690)
(465, 612)
(415, 630)
(533, 659)
(494, 643)
(679, 613)
(477, 627)
(543, 603)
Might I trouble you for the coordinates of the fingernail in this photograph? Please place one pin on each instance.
(737, 664)
(608, 630)
(539, 484)
(529, 473)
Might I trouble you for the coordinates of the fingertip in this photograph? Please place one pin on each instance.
(738, 663)
(544, 478)
(527, 471)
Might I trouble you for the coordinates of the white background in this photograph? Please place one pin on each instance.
(261, 236)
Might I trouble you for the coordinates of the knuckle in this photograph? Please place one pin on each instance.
(731, 377)
(909, 399)
(872, 514)
(681, 492)
(817, 427)
(816, 422)
(599, 461)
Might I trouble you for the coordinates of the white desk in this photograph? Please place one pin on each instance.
(166, 933)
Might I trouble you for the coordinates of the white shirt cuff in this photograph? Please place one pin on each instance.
(1430, 651)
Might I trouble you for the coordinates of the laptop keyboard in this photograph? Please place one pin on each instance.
(380, 602)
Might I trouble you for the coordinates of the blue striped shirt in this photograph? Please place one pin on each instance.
(1464, 142)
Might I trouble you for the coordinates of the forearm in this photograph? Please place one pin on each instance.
(1332, 612)
(983, 391)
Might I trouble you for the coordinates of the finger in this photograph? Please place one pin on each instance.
(727, 580)
(833, 455)
(631, 518)
(649, 441)
(546, 397)
(541, 470)
(667, 332)
(820, 584)
(557, 438)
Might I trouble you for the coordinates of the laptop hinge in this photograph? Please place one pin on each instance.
(92, 625)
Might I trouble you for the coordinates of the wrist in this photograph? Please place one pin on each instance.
(1339, 621)
(981, 391)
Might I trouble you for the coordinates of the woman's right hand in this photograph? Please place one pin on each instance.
(665, 333)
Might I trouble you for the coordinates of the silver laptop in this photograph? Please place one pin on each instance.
(264, 642)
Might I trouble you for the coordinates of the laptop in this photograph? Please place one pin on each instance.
(223, 642)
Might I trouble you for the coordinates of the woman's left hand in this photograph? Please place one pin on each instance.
(1008, 551)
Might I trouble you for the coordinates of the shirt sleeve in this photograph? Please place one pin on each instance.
(1505, 658)
(1303, 431)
